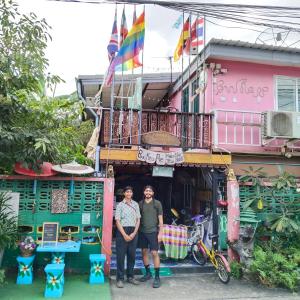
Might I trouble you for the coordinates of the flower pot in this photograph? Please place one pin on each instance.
(26, 252)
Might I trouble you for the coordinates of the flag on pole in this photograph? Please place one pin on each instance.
(124, 28)
(197, 36)
(113, 45)
(131, 47)
(185, 34)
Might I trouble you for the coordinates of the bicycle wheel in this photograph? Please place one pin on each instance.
(198, 256)
(223, 274)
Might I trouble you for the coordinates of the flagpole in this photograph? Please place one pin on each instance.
(111, 109)
(204, 63)
(182, 95)
(140, 111)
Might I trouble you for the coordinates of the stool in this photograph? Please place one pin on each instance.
(54, 280)
(57, 257)
(25, 274)
(97, 268)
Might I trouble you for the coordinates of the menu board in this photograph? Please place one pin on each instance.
(50, 232)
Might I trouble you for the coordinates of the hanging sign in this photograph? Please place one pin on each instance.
(160, 158)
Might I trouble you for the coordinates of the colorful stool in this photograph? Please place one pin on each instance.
(58, 258)
(25, 274)
(97, 268)
(54, 280)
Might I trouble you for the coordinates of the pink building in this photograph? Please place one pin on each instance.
(246, 86)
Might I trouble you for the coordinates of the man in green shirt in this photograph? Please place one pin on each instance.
(150, 233)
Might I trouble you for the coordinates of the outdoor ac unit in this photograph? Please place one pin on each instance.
(282, 124)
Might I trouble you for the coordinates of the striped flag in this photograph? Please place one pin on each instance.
(113, 45)
(197, 36)
(184, 36)
(123, 29)
(130, 49)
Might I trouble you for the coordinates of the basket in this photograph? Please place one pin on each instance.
(26, 252)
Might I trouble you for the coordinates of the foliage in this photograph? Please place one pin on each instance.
(85, 131)
(36, 128)
(33, 127)
(284, 181)
(274, 269)
(2, 276)
(236, 269)
(23, 41)
(255, 177)
(8, 223)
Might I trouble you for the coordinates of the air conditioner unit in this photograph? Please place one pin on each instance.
(281, 124)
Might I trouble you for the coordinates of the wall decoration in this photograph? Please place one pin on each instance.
(160, 158)
(59, 202)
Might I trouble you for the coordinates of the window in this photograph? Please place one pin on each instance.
(195, 105)
(288, 94)
(185, 100)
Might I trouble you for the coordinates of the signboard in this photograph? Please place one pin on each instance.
(160, 158)
(50, 232)
(162, 171)
(86, 218)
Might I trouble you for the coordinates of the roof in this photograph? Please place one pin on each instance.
(155, 87)
(245, 52)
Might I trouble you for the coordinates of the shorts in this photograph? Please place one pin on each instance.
(148, 240)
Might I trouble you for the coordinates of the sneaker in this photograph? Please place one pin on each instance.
(156, 282)
(146, 277)
(133, 281)
(120, 284)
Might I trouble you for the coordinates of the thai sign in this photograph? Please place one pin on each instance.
(160, 158)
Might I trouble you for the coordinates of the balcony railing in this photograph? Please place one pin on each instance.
(126, 128)
(242, 131)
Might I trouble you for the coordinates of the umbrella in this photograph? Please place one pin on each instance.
(46, 170)
(75, 169)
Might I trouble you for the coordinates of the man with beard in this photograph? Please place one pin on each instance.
(150, 233)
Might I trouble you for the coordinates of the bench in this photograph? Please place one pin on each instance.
(25, 270)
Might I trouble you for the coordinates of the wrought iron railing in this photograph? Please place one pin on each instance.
(127, 127)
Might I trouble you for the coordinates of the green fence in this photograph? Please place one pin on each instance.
(85, 207)
(273, 199)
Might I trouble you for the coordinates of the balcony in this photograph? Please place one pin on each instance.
(129, 127)
(241, 131)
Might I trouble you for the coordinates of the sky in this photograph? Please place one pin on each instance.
(80, 34)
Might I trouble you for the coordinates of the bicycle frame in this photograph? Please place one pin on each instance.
(212, 254)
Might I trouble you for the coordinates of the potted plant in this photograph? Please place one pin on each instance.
(27, 246)
(8, 225)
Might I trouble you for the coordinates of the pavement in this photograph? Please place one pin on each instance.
(199, 286)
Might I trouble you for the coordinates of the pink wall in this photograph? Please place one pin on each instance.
(246, 86)
(176, 101)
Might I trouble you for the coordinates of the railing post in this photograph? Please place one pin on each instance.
(215, 132)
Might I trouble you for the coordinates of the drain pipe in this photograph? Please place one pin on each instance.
(97, 156)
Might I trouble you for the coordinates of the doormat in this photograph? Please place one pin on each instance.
(162, 271)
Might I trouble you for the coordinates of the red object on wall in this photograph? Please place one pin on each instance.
(46, 170)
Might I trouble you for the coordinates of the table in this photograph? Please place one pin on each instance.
(59, 249)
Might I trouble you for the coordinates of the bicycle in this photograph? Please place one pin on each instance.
(219, 262)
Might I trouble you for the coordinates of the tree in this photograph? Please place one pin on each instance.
(33, 127)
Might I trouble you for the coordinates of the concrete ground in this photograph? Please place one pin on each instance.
(199, 286)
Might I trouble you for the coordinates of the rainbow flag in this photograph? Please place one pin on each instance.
(184, 36)
(129, 52)
(123, 28)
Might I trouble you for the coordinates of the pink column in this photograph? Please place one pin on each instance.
(109, 184)
(233, 212)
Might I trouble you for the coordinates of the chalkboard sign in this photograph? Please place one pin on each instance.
(50, 232)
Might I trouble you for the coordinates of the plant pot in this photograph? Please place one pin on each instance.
(26, 252)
